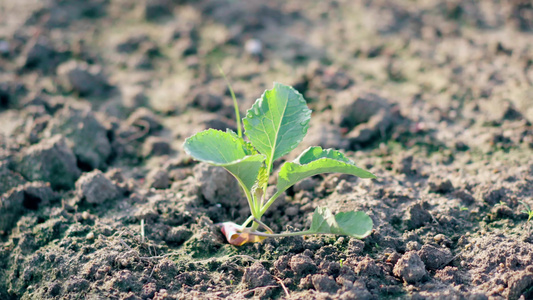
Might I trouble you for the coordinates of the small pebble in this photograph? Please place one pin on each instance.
(253, 46)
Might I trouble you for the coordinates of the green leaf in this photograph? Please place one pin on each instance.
(277, 122)
(262, 180)
(353, 223)
(316, 160)
(226, 149)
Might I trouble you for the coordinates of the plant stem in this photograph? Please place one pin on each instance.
(255, 225)
(269, 202)
(306, 232)
(250, 219)
(235, 104)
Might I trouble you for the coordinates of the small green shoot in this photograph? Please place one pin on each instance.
(274, 126)
(235, 103)
(501, 203)
(341, 262)
(528, 211)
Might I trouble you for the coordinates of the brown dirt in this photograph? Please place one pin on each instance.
(96, 97)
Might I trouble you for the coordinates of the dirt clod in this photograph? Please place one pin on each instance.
(158, 178)
(417, 216)
(86, 135)
(410, 268)
(256, 276)
(82, 78)
(302, 264)
(323, 283)
(98, 96)
(49, 161)
(433, 257)
(95, 188)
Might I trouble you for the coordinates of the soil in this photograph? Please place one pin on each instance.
(99, 200)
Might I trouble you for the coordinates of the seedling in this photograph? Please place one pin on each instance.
(528, 211)
(274, 126)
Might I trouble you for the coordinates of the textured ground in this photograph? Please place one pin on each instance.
(97, 96)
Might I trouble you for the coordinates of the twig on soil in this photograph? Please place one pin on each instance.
(142, 231)
(283, 286)
(122, 241)
(125, 245)
(433, 217)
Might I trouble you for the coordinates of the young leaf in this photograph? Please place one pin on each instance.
(353, 223)
(277, 122)
(227, 150)
(262, 179)
(316, 160)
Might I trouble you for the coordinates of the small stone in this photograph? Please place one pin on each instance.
(85, 215)
(443, 240)
(253, 46)
(410, 268)
(90, 236)
(95, 188)
(158, 179)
